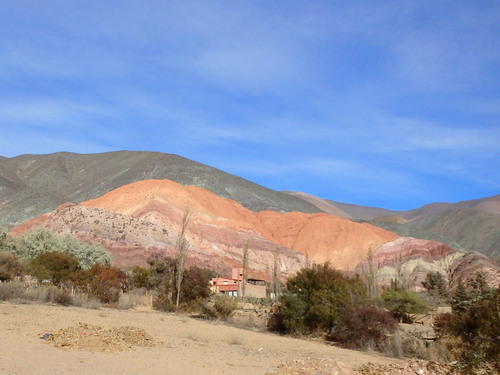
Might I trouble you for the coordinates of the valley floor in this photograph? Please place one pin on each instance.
(187, 346)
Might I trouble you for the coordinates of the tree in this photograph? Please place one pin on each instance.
(276, 284)
(435, 284)
(41, 240)
(401, 303)
(245, 268)
(182, 248)
(475, 322)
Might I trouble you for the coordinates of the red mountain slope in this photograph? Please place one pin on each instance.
(139, 218)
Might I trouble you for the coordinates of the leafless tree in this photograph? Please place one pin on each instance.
(276, 273)
(182, 247)
(245, 268)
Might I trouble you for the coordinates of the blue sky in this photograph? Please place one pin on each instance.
(392, 104)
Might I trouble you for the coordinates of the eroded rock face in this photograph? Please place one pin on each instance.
(467, 267)
(325, 238)
(409, 260)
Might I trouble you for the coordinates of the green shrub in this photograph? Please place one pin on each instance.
(55, 266)
(140, 277)
(314, 300)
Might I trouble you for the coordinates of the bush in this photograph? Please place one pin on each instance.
(63, 297)
(195, 284)
(132, 299)
(10, 267)
(104, 283)
(287, 316)
(11, 291)
(314, 300)
(364, 326)
(54, 266)
(140, 277)
(224, 305)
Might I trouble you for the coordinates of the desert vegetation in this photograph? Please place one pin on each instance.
(318, 301)
(40, 240)
(321, 301)
(474, 326)
(40, 266)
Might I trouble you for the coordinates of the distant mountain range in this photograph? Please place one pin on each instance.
(472, 225)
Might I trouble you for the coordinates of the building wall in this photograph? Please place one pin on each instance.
(256, 291)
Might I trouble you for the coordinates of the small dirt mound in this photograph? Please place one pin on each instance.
(98, 339)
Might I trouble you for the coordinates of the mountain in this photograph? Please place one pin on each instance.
(144, 217)
(138, 219)
(34, 184)
(471, 229)
(125, 201)
(472, 225)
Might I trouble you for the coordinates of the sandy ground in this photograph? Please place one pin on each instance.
(189, 346)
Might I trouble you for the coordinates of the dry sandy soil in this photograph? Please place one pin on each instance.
(187, 345)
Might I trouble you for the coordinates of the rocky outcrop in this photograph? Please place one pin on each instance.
(470, 264)
(408, 260)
